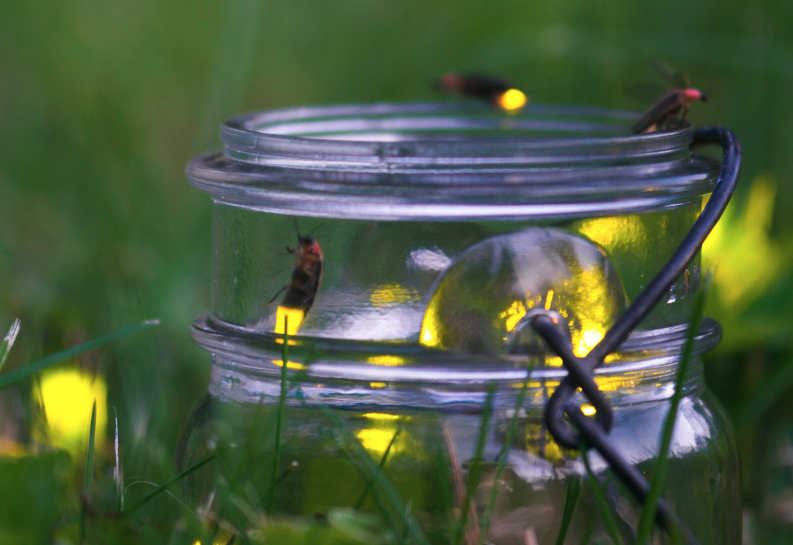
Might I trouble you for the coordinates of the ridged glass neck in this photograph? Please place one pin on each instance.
(648, 357)
(652, 380)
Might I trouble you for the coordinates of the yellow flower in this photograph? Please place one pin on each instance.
(67, 396)
(740, 248)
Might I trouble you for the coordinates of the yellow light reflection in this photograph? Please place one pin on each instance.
(594, 309)
(295, 316)
(549, 300)
(587, 341)
(614, 231)
(428, 337)
(514, 314)
(381, 416)
(290, 365)
(377, 440)
(540, 443)
(553, 361)
(612, 384)
(386, 360)
(512, 100)
(540, 391)
(587, 308)
(392, 294)
(430, 327)
(68, 395)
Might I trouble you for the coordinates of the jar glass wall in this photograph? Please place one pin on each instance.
(394, 195)
(424, 439)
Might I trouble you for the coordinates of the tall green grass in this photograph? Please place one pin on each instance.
(658, 475)
(102, 104)
(9, 379)
(603, 507)
(89, 473)
(473, 524)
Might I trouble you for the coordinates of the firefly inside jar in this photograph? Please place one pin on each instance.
(427, 236)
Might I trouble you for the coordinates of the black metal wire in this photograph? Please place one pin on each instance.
(580, 371)
(632, 478)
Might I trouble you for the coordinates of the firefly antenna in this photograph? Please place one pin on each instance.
(317, 228)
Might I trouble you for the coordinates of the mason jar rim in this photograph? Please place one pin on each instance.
(449, 161)
(392, 136)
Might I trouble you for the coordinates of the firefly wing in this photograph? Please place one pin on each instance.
(303, 288)
(314, 287)
(674, 77)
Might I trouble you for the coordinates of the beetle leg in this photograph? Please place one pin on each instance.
(276, 295)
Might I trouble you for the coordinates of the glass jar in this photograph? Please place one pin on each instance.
(423, 236)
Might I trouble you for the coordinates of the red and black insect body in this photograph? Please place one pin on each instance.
(669, 111)
(500, 92)
(306, 275)
(653, 78)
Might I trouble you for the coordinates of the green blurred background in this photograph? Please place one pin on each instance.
(103, 103)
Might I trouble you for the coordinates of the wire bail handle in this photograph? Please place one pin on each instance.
(580, 371)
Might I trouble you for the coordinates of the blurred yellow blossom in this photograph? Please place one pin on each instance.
(740, 249)
(67, 396)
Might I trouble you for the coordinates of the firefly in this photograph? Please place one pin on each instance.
(500, 92)
(670, 110)
(306, 275)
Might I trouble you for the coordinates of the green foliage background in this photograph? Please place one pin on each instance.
(102, 104)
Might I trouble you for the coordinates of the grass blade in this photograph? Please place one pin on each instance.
(658, 477)
(380, 466)
(442, 468)
(249, 457)
(364, 463)
(163, 487)
(600, 500)
(89, 472)
(279, 421)
(8, 342)
(590, 527)
(502, 459)
(392, 496)
(22, 373)
(476, 464)
(117, 474)
(570, 502)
